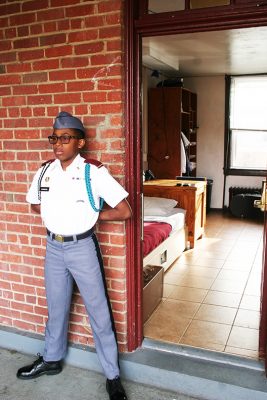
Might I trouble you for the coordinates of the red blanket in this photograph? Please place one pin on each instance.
(154, 234)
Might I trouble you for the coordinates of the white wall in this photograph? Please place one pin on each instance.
(210, 137)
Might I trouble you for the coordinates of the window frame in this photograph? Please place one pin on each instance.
(228, 136)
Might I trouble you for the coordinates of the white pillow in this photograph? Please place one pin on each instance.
(159, 202)
(159, 212)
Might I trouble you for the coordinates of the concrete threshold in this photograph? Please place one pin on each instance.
(202, 374)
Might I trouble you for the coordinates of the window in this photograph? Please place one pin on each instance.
(208, 3)
(160, 6)
(246, 125)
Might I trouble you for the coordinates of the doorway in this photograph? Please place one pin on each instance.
(144, 27)
(139, 25)
(217, 296)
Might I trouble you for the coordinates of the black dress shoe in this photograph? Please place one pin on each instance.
(115, 389)
(38, 368)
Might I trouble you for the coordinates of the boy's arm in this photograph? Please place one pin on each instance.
(120, 212)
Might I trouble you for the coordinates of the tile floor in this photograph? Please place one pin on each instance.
(211, 293)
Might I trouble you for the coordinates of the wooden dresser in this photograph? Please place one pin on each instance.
(191, 195)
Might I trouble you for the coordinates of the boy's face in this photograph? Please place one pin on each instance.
(66, 152)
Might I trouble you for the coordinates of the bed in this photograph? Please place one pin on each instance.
(165, 233)
(190, 195)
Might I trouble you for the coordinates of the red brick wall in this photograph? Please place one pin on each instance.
(56, 55)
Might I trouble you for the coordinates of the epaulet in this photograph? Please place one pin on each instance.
(47, 162)
(97, 163)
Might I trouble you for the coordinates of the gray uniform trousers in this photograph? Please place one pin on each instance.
(79, 260)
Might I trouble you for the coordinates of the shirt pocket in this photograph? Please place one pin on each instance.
(79, 195)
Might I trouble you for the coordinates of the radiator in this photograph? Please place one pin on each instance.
(234, 190)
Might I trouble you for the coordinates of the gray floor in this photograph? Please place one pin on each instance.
(71, 384)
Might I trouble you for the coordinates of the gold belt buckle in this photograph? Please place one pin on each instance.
(59, 238)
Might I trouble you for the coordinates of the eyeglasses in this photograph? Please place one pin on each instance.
(64, 139)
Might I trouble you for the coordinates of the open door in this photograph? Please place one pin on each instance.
(263, 314)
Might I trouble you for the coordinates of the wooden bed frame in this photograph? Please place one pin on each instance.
(190, 195)
(168, 251)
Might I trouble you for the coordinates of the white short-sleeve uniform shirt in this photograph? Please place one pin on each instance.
(65, 206)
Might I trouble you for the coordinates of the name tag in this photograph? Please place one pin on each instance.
(44, 188)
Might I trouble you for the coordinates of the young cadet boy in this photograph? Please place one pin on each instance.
(68, 192)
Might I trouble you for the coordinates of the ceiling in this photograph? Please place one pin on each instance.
(232, 52)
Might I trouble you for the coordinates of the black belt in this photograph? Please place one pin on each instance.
(61, 238)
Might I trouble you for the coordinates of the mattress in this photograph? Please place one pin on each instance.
(154, 234)
(175, 217)
(159, 228)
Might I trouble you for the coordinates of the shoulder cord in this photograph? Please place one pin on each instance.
(40, 179)
(89, 190)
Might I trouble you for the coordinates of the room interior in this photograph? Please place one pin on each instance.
(204, 284)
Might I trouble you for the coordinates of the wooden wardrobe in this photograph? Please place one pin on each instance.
(171, 110)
